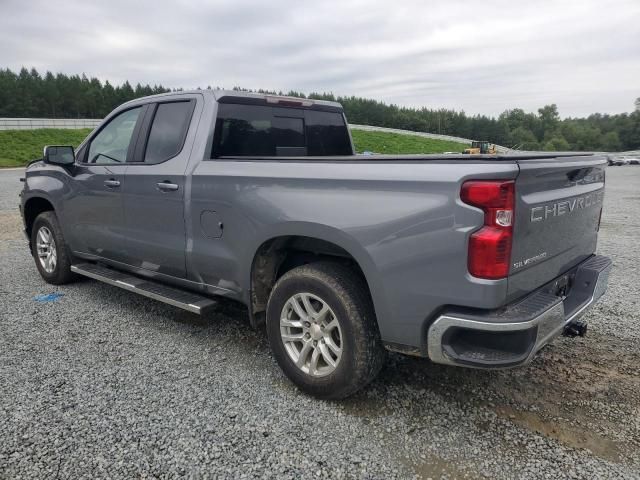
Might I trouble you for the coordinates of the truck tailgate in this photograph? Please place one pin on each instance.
(557, 215)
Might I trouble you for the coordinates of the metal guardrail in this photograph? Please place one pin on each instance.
(35, 123)
(434, 136)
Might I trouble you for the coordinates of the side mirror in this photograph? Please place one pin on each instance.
(59, 155)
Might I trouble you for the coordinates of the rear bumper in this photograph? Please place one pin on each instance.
(512, 335)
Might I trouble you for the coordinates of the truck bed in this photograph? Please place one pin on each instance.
(408, 158)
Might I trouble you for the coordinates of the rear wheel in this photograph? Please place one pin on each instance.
(322, 330)
(50, 250)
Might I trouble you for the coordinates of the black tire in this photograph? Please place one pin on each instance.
(61, 273)
(346, 293)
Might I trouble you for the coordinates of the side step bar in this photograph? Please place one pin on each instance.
(178, 298)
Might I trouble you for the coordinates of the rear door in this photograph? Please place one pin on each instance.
(559, 201)
(155, 188)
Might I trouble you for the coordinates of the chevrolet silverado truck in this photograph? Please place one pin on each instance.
(468, 260)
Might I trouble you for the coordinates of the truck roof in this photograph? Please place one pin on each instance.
(221, 95)
(232, 96)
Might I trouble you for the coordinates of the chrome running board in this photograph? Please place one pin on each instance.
(178, 298)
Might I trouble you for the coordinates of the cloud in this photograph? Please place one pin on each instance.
(482, 57)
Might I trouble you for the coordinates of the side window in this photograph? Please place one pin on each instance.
(112, 143)
(243, 130)
(168, 131)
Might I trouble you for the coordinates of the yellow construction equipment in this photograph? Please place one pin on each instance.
(481, 147)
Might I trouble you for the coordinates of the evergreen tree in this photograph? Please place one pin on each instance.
(28, 94)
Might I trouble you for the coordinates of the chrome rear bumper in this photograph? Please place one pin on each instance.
(511, 336)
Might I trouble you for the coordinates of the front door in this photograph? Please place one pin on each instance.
(154, 191)
(95, 210)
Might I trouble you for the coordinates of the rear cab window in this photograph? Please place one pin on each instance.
(265, 131)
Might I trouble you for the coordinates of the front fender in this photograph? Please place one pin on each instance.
(49, 183)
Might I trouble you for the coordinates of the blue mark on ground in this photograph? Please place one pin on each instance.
(50, 297)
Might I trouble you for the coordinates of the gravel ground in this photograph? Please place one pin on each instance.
(104, 383)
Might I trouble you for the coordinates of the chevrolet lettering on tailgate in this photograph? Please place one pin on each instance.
(557, 209)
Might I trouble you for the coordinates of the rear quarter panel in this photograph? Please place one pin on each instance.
(403, 222)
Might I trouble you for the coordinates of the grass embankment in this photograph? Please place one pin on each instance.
(17, 147)
(396, 143)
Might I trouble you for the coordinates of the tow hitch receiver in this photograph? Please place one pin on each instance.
(575, 329)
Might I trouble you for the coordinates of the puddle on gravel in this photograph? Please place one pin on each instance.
(566, 434)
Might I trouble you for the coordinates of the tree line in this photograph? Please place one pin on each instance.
(30, 94)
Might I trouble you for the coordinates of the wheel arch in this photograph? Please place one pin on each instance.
(278, 253)
(33, 207)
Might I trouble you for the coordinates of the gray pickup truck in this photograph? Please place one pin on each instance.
(475, 261)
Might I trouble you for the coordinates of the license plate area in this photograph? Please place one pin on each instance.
(562, 286)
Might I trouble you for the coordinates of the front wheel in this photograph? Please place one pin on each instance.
(322, 330)
(50, 250)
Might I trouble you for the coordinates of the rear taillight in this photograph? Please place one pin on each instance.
(490, 247)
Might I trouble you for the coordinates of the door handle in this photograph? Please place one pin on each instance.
(112, 183)
(167, 186)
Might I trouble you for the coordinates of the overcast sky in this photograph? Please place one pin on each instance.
(478, 56)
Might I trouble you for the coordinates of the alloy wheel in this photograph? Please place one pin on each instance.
(46, 249)
(311, 334)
